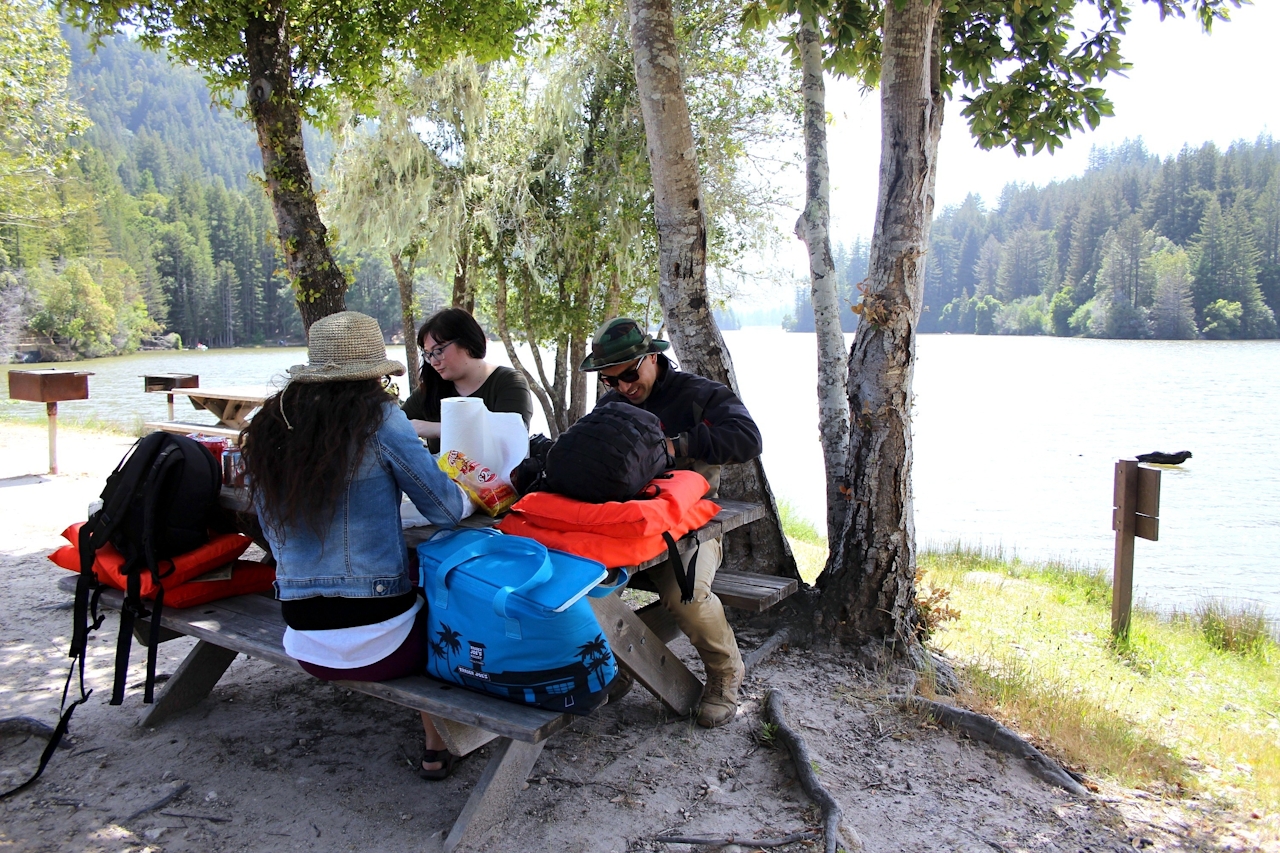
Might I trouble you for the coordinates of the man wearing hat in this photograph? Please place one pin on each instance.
(706, 426)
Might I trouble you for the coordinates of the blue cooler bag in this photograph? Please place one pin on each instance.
(508, 617)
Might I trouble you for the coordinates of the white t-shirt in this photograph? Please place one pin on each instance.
(350, 648)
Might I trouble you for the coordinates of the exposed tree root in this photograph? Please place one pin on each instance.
(160, 803)
(30, 726)
(768, 647)
(775, 713)
(983, 728)
(737, 839)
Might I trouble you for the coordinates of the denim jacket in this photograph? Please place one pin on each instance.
(362, 554)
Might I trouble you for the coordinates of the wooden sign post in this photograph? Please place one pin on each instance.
(1136, 513)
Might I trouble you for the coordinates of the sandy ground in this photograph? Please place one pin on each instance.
(277, 761)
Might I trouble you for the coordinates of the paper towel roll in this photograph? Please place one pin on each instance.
(463, 426)
(497, 440)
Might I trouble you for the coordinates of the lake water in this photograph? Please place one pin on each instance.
(1015, 442)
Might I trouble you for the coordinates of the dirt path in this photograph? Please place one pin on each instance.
(276, 761)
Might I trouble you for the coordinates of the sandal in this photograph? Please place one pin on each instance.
(447, 761)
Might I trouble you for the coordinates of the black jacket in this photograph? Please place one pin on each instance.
(705, 420)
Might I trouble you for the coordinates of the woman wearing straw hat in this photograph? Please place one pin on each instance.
(328, 458)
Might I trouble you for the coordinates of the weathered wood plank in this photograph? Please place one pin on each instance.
(252, 625)
(659, 620)
(495, 793)
(190, 683)
(748, 591)
(519, 722)
(646, 657)
(185, 428)
(459, 738)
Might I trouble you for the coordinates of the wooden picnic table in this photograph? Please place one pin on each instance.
(639, 638)
(253, 625)
(232, 406)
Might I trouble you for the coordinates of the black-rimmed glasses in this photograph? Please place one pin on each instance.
(436, 353)
(628, 376)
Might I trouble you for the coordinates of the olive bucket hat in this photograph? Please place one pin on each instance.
(619, 341)
(344, 347)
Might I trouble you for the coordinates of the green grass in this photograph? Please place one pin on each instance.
(1175, 708)
(10, 413)
(808, 544)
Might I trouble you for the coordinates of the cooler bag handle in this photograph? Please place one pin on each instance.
(496, 544)
(541, 576)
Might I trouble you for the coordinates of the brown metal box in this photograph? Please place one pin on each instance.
(49, 385)
(169, 381)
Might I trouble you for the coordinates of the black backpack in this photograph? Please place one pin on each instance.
(158, 503)
(613, 453)
(610, 454)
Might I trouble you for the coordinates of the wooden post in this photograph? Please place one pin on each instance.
(51, 409)
(1136, 513)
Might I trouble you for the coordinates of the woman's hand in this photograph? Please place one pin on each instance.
(426, 429)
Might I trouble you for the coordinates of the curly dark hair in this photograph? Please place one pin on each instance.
(449, 325)
(301, 448)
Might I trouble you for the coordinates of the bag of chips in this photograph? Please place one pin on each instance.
(482, 485)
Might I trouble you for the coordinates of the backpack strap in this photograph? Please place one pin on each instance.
(166, 462)
(684, 576)
(95, 532)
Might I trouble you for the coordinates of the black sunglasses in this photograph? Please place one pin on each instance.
(628, 376)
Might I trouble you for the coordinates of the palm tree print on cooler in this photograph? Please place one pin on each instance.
(594, 656)
(446, 645)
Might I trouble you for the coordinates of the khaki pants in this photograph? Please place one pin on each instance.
(702, 619)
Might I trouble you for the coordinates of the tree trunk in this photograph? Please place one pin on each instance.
(404, 278)
(463, 293)
(813, 228)
(868, 585)
(318, 284)
(504, 332)
(682, 261)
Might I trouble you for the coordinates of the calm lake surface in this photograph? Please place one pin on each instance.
(1015, 442)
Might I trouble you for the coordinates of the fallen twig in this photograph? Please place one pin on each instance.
(987, 730)
(757, 656)
(160, 803)
(775, 711)
(208, 817)
(738, 839)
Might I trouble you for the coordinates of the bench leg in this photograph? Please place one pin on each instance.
(494, 794)
(660, 621)
(643, 653)
(194, 678)
(460, 738)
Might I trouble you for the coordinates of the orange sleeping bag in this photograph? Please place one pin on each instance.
(617, 533)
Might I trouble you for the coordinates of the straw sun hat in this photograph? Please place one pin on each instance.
(344, 347)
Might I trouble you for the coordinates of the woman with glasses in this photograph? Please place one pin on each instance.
(453, 348)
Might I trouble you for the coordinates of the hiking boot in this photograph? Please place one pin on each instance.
(720, 696)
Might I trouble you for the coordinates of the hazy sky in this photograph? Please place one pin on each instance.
(1185, 88)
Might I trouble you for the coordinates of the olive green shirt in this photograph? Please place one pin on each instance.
(504, 391)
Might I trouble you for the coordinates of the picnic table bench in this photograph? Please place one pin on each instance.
(253, 625)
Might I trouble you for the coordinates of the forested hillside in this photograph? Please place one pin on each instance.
(1137, 247)
(157, 232)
